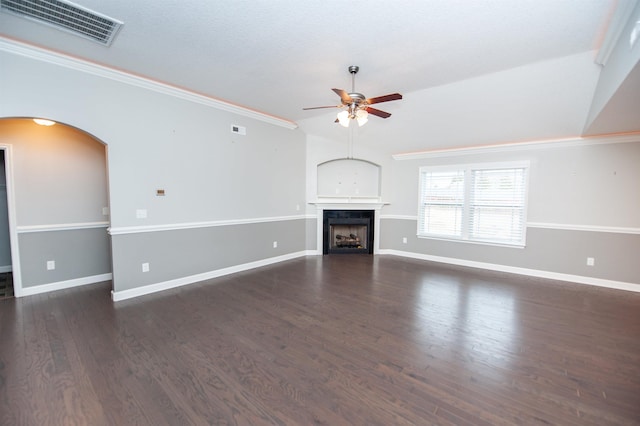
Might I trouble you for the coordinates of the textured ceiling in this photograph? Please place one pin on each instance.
(280, 56)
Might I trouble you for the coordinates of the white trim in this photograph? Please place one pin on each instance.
(117, 296)
(544, 225)
(323, 199)
(61, 227)
(59, 59)
(493, 165)
(348, 205)
(589, 228)
(398, 217)
(521, 146)
(193, 225)
(7, 268)
(599, 282)
(11, 211)
(61, 285)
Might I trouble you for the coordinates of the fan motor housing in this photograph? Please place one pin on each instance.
(358, 98)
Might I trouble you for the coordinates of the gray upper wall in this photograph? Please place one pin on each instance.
(593, 185)
(157, 141)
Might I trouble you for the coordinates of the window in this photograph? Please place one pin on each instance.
(483, 203)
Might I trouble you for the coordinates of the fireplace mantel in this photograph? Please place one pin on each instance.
(348, 203)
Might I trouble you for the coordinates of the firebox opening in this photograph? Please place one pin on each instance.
(348, 231)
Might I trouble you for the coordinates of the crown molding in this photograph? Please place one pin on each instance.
(59, 59)
(522, 146)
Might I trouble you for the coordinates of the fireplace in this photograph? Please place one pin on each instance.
(348, 231)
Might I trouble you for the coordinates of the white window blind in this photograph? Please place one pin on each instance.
(474, 202)
(497, 210)
(442, 198)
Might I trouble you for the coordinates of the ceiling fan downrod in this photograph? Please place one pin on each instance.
(353, 69)
(357, 98)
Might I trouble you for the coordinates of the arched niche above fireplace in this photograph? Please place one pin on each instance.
(348, 177)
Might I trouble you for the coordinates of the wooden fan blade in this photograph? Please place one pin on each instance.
(330, 106)
(346, 99)
(377, 112)
(385, 98)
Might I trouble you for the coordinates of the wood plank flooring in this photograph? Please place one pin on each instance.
(333, 340)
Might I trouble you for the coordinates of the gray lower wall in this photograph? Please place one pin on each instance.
(177, 254)
(78, 254)
(312, 234)
(550, 250)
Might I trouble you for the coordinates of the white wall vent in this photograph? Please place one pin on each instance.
(238, 129)
(66, 16)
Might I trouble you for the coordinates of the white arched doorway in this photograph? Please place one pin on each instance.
(57, 206)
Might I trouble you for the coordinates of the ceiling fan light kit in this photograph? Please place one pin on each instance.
(355, 106)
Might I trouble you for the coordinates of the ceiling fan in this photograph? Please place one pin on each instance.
(355, 106)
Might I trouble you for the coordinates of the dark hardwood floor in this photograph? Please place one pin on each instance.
(334, 340)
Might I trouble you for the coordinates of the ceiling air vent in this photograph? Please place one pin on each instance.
(66, 16)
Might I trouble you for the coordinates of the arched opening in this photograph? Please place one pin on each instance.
(56, 204)
(349, 177)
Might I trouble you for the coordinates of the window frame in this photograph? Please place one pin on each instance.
(467, 170)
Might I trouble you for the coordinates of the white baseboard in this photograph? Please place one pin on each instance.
(60, 285)
(619, 285)
(7, 268)
(166, 285)
(117, 296)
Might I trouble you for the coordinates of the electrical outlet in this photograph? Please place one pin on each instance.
(51, 265)
(591, 261)
(275, 244)
(105, 211)
(141, 214)
(404, 240)
(145, 267)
